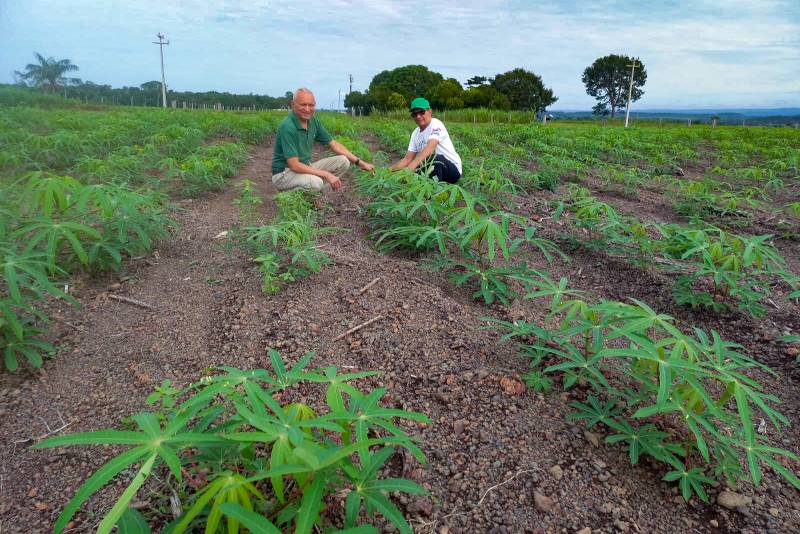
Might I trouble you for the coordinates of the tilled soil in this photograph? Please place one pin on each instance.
(501, 458)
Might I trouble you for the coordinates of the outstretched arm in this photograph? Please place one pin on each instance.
(423, 154)
(403, 163)
(341, 150)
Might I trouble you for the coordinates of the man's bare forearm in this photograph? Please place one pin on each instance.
(342, 150)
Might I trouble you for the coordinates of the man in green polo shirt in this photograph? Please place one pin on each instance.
(294, 140)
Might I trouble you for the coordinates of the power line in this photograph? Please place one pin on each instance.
(630, 93)
(161, 42)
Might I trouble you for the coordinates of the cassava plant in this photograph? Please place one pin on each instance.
(413, 212)
(248, 202)
(684, 400)
(52, 226)
(287, 249)
(248, 455)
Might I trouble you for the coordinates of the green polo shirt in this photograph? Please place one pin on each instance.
(294, 141)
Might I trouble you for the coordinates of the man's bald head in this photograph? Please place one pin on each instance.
(303, 104)
(302, 91)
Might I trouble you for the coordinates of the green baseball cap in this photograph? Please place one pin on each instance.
(419, 103)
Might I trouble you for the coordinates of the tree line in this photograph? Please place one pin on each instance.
(608, 80)
(49, 75)
(517, 89)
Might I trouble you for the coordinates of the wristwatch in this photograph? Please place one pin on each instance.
(357, 161)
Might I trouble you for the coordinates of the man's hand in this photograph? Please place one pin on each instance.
(332, 179)
(366, 166)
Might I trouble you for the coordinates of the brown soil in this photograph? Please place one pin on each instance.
(490, 452)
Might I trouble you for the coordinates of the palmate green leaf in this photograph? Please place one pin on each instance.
(690, 481)
(7, 310)
(53, 233)
(593, 412)
(254, 522)
(31, 349)
(27, 271)
(486, 230)
(646, 438)
(49, 192)
(577, 363)
(516, 329)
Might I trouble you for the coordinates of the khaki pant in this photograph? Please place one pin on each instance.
(289, 179)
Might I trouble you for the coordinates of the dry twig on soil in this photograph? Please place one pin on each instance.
(359, 327)
(50, 431)
(131, 301)
(433, 523)
(375, 281)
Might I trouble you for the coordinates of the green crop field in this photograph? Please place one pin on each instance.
(712, 213)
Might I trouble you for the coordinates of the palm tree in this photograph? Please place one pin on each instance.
(48, 74)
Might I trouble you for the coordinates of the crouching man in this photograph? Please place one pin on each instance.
(291, 162)
(430, 146)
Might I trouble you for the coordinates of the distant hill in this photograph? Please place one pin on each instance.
(748, 112)
(750, 116)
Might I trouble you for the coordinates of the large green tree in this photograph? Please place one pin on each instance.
(409, 81)
(524, 89)
(448, 94)
(48, 73)
(484, 96)
(608, 80)
(358, 101)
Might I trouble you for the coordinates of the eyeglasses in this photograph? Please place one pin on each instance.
(417, 112)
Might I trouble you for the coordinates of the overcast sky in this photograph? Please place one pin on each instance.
(698, 54)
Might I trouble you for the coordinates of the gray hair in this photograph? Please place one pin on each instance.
(301, 90)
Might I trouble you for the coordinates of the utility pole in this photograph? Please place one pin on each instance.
(352, 110)
(630, 93)
(161, 42)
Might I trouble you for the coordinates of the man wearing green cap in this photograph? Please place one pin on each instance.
(294, 140)
(430, 146)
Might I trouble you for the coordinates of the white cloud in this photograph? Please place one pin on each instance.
(708, 53)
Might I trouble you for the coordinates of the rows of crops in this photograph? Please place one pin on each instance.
(84, 191)
(683, 399)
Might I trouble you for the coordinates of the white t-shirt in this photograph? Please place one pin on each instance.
(435, 130)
